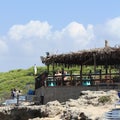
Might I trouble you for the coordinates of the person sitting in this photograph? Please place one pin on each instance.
(108, 79)
(58, 75)
(65, 76)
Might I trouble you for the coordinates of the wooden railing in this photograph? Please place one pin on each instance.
(88, 79)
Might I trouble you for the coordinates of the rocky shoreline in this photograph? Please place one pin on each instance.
(91, 105)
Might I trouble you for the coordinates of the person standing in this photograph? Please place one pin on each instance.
(35, 69)
(12, 94)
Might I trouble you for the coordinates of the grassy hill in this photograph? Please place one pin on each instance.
(24, 80)
(20, 79)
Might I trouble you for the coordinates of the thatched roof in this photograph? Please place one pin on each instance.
(107, 54)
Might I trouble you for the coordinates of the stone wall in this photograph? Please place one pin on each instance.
(61, 93)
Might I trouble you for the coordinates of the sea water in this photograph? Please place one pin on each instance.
(112, 115)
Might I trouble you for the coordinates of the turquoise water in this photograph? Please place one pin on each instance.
(112, 115)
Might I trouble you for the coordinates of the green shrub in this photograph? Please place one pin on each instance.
(104, 99)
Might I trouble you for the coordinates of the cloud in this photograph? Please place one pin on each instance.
(79, 34)
(113, 27)
(29, 36)
(28, 48)
(39, 36)
(72, 37)
(3, 47)
(29, 30)
(27, 42)
(108, 31)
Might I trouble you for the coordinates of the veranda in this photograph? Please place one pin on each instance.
(105, 62)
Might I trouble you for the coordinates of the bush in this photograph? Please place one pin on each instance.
(104, 99)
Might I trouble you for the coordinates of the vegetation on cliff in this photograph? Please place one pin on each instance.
(20, 79)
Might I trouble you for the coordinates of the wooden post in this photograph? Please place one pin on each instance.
(48, 68)
(81, 74)
(94, 57)
(110, 74)
(106, 65)
(53, 72)
(106, 69)
(90, 77)
(62, 76)
(100, 76)
(119, 71)
(17, 99)
(71, 77)
(47, 56)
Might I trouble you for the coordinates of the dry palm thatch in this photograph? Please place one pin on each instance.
(107, 54)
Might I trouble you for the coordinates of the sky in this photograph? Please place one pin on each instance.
(30, 28)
